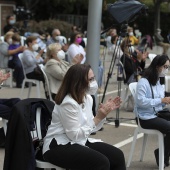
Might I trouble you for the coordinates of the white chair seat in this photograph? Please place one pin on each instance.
(139, 129)
(30, 81)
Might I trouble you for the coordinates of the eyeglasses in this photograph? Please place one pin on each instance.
(166, 66)
(91, 79)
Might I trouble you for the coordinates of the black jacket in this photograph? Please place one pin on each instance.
(19, 150)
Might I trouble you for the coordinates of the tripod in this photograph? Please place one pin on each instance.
(120, 75)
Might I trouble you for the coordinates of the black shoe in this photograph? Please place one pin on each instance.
(101, 129)
(18, 86)
(94, 133)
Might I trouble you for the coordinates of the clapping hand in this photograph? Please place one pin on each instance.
(107, 107)
(4, 76)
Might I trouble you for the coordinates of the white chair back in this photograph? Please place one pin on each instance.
(151, 56)
(47, 81)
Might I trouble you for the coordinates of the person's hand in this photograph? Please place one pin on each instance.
(166, 100)
(106, 108)
(21, 48)
(41, 52)
(3, 76)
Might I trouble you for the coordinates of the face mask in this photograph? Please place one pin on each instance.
(131, 34)
(163, 73)
(11, 22)
(61, 55)
(58, 38)
(78, 40)
(35, 47)
(93, 88)
(131, 49)
(9, 41)
(17, 43)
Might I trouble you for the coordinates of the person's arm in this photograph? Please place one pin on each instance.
(17, 50)
(55, 71)
(106, 108)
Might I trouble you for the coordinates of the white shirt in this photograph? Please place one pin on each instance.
(73, 50)
(72, 122)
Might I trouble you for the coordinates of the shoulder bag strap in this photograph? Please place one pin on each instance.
(152, 97)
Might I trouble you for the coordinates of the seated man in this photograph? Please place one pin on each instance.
(159, 41)
(5, 107)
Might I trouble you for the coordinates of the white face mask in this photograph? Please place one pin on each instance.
(9, 41)
(35, 47)
(61, 55)
(12, 22)
(93, 88)
(58, 38)
(163, 73)
(131, 34)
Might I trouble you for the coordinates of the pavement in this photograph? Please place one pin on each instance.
(121, 136)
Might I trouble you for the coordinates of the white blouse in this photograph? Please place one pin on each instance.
(72, 122)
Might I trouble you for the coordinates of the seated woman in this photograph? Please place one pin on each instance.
(67, 143)
(132, 60)
(150, 100)
(76, 53)
(55, 67)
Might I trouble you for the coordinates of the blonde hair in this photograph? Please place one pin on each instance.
(53, 49)
(7, 35)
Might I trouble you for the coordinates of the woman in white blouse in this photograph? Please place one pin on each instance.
(76, 53)
(67, 143)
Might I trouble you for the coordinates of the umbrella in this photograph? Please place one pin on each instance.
(125, 11)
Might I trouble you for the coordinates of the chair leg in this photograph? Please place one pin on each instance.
(132, 147)
(22, 90)
(38, 89)
(145, 137)
(29, 89)
(161, 151)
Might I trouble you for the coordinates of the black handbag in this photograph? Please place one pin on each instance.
(37, 70)
(165, 113)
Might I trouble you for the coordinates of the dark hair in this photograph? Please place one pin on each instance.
(30, 39)
(16, 37)
(151, 73)
(113, 38)
(75, 83)
(73, 37)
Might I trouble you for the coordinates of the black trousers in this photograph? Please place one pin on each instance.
(6, 107)
(96, 156)
(161, 125)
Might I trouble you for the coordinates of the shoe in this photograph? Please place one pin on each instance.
(101, 129)
(18, 86)
(166, 159)
(94, 133)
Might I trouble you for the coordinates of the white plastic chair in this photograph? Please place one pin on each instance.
(47, 82)
(39, 163)
(151, 56)
(139, 129)
(30, 81)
